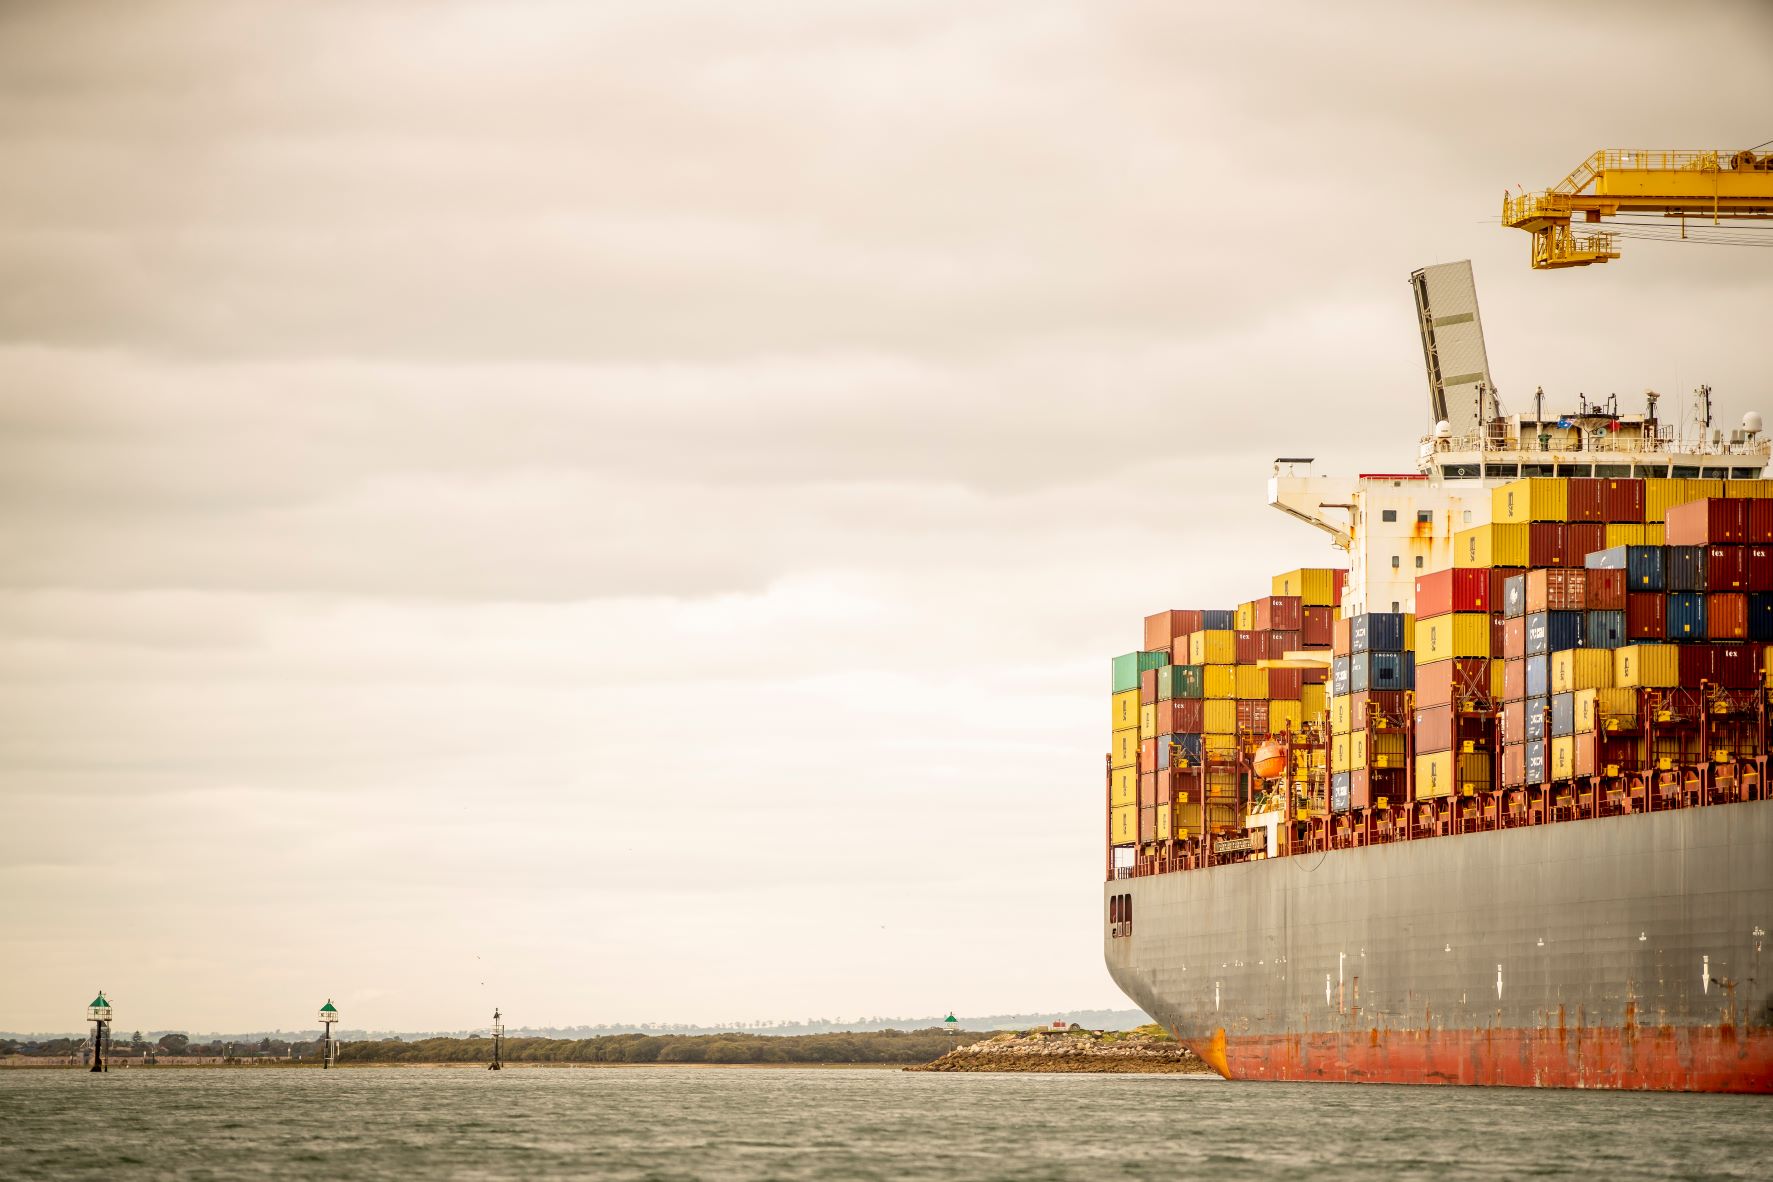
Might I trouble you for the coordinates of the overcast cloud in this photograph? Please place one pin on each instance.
(622, 510)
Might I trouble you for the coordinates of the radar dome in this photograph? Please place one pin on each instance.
(1443, 430)
(1751, 421)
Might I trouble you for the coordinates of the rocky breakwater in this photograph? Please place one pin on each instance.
(1148, 1049)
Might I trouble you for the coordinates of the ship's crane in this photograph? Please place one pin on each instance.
(1711, 185)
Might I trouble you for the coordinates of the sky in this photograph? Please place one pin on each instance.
(622, 511)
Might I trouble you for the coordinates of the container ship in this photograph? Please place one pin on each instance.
(1488, 805)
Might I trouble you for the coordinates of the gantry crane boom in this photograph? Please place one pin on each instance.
(1714, 185)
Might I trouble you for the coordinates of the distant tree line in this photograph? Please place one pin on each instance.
(167, 1046)
(879, 1046)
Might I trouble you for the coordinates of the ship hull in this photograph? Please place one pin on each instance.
(1615, 953)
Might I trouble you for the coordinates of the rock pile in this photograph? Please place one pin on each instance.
(1148, 1049)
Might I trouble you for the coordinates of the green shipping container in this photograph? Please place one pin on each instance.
(1126, 672)
(1179, 681)
(1128, 666)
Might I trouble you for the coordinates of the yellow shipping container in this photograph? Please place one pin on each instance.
(1123, 825)
(1561, 758)
(1748, 488)
(1629, 534)
(1315, 587)
(1252, 683)
(1699, 490)
(1655, 533)
(1215, 647)
(1498, 678)
(1450, 773)
(1581, 669)
(1491, 545)
(1148, 722)
(1459, 634)
(1640, 665)
(1285, 715)
(1533, 499)
(1246, 616)
(1605, 709)
(1125, 751)
(1218, 681)
(1340, 714)
(1338, 753)
(1377, 750)
(1311, 701)
(1123, 787)
(1219, 715)
(1662, 495)
(1223, 743)
(1125, 709)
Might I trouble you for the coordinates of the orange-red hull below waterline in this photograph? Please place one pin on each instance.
(1659, 1059)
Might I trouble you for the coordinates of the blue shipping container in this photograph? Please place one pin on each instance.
(1643, 565)
(1686, 613)
(1377, 632)
(1535, 709)
(1683, 568)
(1514, 597)
(1538, 676)
(1536, 762)
(1339, 676)
(1604, 630)
(1760, 615)
(1188, 747)
(1216, 620)
(1553, 632)
(1376, 671)
(1563, 714)
(1339, 785)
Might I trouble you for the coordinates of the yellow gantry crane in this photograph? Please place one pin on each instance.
(1709, 185)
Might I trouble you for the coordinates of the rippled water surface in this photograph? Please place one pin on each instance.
(681, 1123)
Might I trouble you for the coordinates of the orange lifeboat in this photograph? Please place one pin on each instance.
(1270, 761)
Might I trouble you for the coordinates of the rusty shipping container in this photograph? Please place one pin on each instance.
(1711, 522)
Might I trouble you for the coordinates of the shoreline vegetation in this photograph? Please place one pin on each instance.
(1148, 1049)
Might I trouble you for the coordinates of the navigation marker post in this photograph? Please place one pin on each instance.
(99, 1014)
(498, 1033)
(329, 1050)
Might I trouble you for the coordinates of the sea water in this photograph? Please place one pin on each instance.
(670, 1123)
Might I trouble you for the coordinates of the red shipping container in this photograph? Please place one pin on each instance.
(1514, 680)
(1315, 676)
(1597, 752)
(1317, 627)
(1277, 613)
(1181, 716)
(1282, 643)
(1582, 539)
(1545, 544)
(1739, 666)
(1760, 521)
(1148, 754)
(1439, 683)
(1623, 501)
(1605, 590)
(1341, 644)
(1434, 730)
(1514, 722)
(1498, 626)
(1458, 589)
(1251, 647)
(1148, 790)
(1147, 825)
(1514, 640)
(1252, 716)
(1713, 521)
(1148, 686)
(1726, 568)
(1699, 662)
(1759, 572)
(1726, 615)
(1284, 683)
(1646, 615)
(1162, 629)
(1381, 708)
(1514, 765)
(1584, 500)
(1367, 786)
